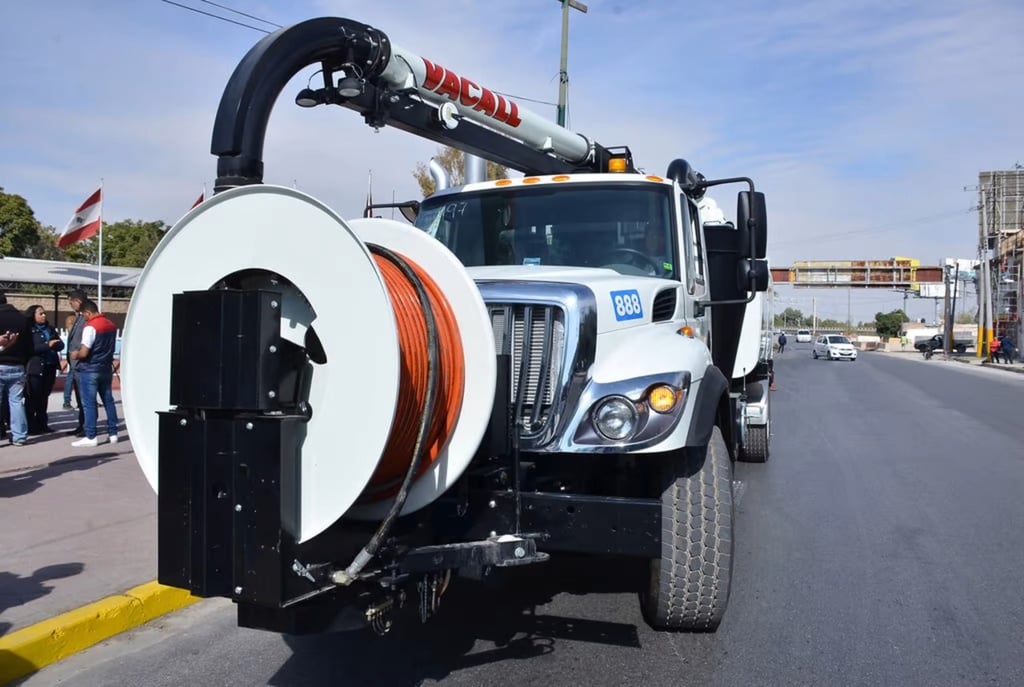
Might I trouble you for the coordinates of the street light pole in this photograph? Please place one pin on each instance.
(563, 72)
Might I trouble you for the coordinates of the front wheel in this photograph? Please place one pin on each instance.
(688, 588)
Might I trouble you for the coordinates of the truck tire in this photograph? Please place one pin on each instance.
(756, 449)
(688, 589)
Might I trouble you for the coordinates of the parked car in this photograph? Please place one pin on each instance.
(938, 343)
(803, 336)
(833, 347)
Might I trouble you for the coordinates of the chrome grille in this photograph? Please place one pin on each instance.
(534, 337)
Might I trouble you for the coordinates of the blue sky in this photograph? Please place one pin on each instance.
(863, 122)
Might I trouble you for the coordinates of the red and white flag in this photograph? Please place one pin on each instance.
(86, 222)
(200, 199)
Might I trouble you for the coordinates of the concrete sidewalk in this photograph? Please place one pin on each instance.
(79, 525)
(969, 358)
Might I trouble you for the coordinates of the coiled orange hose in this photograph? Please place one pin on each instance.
(412, 341)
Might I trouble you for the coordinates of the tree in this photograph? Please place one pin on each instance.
(968, 317)
(888, 324)
(127, 243)
(453, 162)
(790, 317)
(21, 234)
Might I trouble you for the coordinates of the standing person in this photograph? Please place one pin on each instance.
(904, 340)
(69, 323)
(993, 348)
(75, 300)
(95, 372)
(782, 342)
(41, 370)
(1009, 349)
(16, 343)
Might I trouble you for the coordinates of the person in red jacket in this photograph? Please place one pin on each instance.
(95, 372)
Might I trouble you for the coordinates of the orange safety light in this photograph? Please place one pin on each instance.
(617, 164)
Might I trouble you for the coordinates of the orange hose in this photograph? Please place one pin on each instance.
(412, 392)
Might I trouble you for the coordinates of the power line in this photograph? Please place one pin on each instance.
(260, 19)
(250, 16)
(215, 16)
(529, 100)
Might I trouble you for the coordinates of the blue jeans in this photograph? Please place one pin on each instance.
(12, 380)
(90, 384)
(69, 381)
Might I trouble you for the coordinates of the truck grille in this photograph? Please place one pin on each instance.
(534, 336)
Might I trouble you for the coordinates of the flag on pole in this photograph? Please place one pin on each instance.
(85, 223)
(200, 199)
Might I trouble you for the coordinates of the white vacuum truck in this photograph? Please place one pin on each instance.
(340, 417)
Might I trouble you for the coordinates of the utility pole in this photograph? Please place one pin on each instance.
(563, 72)
(849, 316)
(814, 315)
(946, 331)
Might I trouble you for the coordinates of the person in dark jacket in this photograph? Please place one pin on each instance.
(1008, 349)
(41, 370)
(16, 342)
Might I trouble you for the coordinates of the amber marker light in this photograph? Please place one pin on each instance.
(686, 331)
(662, 398)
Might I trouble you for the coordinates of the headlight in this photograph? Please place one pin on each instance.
(615, 418)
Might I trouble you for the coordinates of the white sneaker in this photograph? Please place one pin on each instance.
(112, 438)
(84, 442)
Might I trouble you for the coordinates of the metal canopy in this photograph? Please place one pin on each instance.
(31, 271)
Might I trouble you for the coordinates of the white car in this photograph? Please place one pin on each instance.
(803, 336)
(834, 347)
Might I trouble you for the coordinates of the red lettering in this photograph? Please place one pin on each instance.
(500, 113)
(513, 115)
(470, 93)
(434, 74)
(450, 86)
(487, 103)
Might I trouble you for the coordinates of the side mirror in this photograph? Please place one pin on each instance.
(752, 222)
(410, 211)
(752, 275)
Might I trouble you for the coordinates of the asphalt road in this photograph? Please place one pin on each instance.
(882, 544)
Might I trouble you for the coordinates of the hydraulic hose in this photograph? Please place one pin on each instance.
(413, 337)
(414, 286)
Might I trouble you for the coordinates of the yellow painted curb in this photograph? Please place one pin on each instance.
(26, 651)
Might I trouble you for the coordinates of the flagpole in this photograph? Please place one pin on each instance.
(99, 262)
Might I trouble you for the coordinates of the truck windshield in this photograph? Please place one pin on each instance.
(626, 227)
